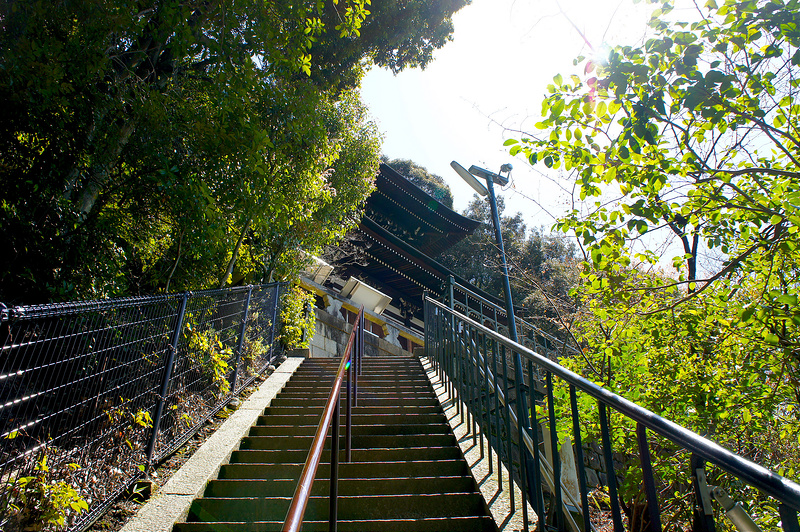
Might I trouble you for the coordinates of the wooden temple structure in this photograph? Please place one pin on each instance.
(392, 252)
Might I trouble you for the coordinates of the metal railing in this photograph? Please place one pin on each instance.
(94, 393)
(465, 355)
(330, 421)
(472, 304)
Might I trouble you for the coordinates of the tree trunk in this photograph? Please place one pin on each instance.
(231, 263)
(100, 171)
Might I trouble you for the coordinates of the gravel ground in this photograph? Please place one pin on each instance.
(123, 509)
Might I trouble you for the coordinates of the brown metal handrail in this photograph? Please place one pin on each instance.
(294, 517)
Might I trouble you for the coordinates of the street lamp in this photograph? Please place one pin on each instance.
(471, 177)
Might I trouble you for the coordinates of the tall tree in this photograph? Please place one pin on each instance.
(134, 134)
(542, 266)
(692, 134)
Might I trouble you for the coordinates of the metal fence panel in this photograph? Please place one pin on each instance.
(81, 384)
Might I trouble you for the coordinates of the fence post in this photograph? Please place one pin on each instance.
(275, 304)
(151, 446)
(245, 313)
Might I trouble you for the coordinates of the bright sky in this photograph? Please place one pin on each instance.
(495, 71)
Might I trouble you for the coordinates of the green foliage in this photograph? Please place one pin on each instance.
(693, 135)
(543, 266)
(688, 367)
(297, 318)
(42, 503)
(207, 352)
(128, 426)
(176, 146)
(434, 185)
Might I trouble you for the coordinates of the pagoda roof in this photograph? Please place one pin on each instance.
(408, 211)
(404, 270)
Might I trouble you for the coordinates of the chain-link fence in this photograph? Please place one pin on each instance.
(93, 392)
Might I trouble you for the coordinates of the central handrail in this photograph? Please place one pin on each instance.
(297, 508)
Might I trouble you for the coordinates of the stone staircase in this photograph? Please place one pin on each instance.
(407, 471)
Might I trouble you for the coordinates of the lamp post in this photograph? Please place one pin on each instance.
(471, 177)
(529, 467)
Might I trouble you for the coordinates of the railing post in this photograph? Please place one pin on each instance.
(576, 431)
(647, 478)
(558, 515)
(242, 332)
(334, 502)
(176, 334)
(522, 414)
(605, 434)
(703, 514)
(789, 519)
(348, 435)
(535, 465)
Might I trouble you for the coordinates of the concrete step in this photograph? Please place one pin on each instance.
(402, 506)
(362, 401)
(442, 524)
(400, 418)
(360, 441)
(310, 430)
(360, 410)
(397, 393)
(421, 468)
(352, 487)
(407, 473)
(271, 456)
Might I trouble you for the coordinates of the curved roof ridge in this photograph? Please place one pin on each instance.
(454, 219)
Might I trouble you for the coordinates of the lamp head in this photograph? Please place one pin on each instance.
(476, 185)
(486, 174)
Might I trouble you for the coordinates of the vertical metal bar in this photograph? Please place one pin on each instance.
(460, 374)
(478, 390)
(551, 409)
(451, 281)
(486, 381)
(497, 417)
(522, 415)
(576, 435)
(476, 371)
(176, 334)
(359, 352)
(788, 519)
(703, 512)
(647, 477)
(466, 378)
(440, 345)
(508, 428)
(242, 333)
(334, 502)
(537, 493)
(348, 435)
(473, 388)
(605, 433)
(454, 366)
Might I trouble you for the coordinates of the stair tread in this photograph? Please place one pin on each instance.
(407, 472)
